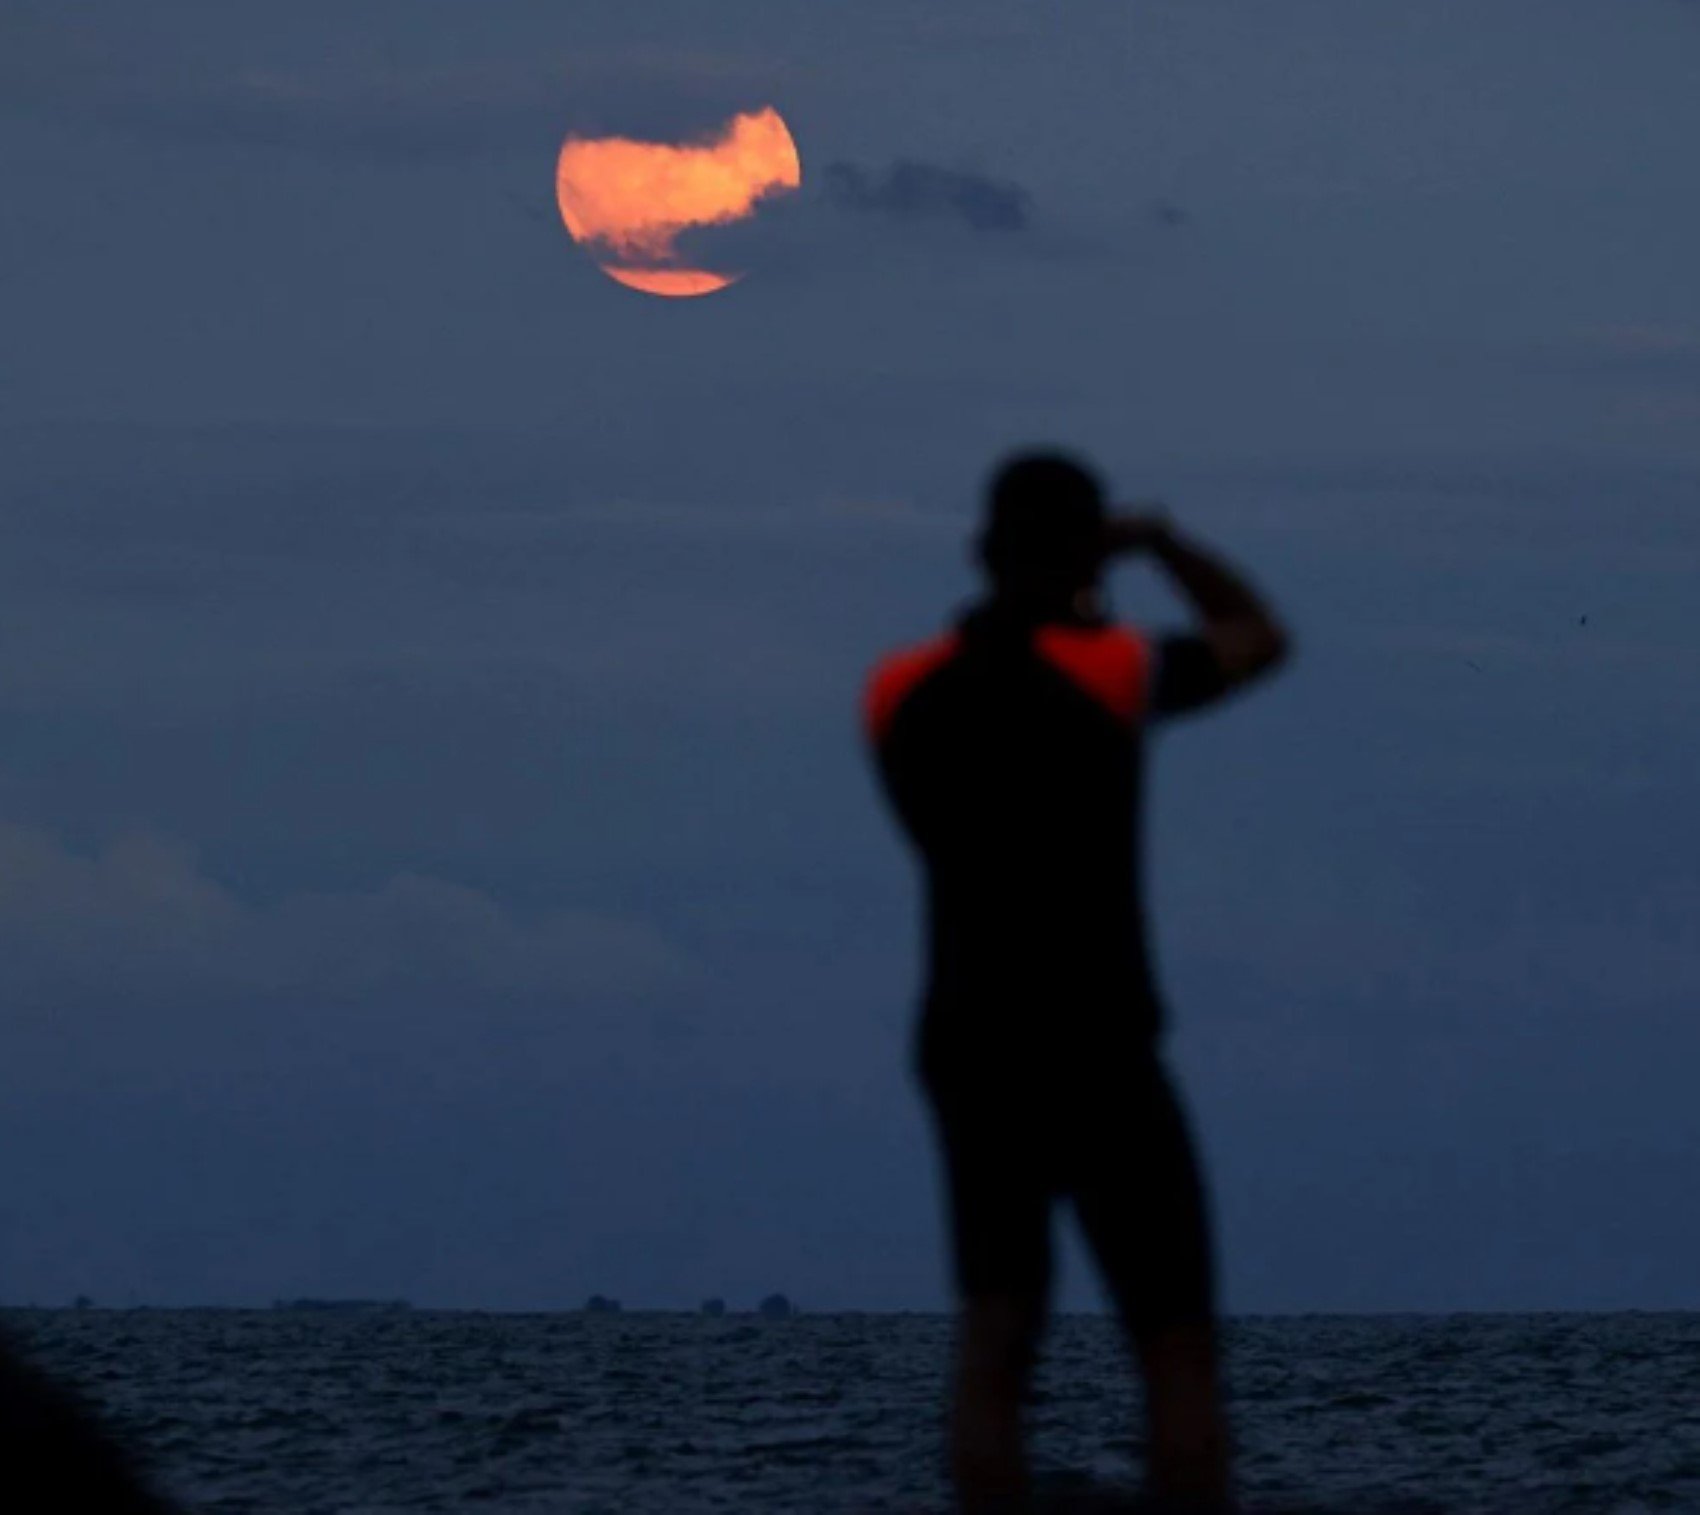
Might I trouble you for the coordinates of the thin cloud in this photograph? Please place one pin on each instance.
(141, 912)
(910, 190)
(1655, 353)
(469, 109)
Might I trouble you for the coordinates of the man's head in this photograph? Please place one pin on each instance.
(1044, 532)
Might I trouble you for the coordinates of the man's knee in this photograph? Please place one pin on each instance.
(1000, 1334)
(1181, 1342)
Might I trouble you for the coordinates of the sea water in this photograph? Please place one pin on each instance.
(638, 1412)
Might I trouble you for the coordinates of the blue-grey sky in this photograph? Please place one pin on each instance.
(436, 856)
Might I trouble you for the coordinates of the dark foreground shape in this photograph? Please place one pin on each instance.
(1072, 1494)
(54, 1456)
(1105, 1503)
(1130, 1504)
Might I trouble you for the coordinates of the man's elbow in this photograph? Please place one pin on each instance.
(1261, 646)
(1248, 649)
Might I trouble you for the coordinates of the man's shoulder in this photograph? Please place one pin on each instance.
(1107, 661)
(896, 675)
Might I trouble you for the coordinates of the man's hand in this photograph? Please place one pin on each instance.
(1140, 527)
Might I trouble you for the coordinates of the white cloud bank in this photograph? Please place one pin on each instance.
(139, 921)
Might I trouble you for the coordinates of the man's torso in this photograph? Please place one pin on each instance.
(1012, 751)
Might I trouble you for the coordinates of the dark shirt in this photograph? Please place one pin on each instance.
(1012, 750)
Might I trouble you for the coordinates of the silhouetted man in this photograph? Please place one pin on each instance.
(1011, 748)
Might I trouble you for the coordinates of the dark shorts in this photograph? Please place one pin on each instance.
(1107, 1134)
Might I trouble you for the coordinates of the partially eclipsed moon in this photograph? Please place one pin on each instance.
(670, 281)
(628, 202)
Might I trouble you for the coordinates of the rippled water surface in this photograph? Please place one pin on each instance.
(642, 1413)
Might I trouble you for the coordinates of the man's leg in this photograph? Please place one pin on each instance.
(1188, 1464)
(997, 1342)
(999, 1207)
(1141, 1203)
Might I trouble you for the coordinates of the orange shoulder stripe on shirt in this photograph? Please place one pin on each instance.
(1110, 663)
(896, 677)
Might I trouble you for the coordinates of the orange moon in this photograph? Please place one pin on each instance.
(627, 202)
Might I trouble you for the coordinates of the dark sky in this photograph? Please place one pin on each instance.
(436, 857)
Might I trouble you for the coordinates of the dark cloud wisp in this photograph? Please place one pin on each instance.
(908, 190)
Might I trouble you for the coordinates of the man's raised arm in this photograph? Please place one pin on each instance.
(1244, 639)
